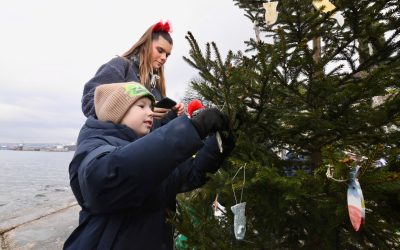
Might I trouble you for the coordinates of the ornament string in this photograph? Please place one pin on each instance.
(244, 181)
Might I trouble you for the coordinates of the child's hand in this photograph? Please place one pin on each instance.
(179, 109)
(209, 121)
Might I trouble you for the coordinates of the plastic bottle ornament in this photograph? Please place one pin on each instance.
(326, 6)
(271, 15)
(257, 31)
(239, 220)
(181, 242)
(218, 210)
(355, 201)
(339, 18)
(238, 210)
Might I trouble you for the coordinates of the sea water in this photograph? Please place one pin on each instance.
(32, 184)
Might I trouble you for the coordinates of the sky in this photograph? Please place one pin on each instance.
(51, 48)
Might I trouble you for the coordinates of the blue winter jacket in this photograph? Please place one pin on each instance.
(126, 192)
(118, 69)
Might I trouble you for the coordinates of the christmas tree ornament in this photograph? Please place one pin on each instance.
(271, 15)
(355, 200)
(257, 31)
(323, 5)
(181, 242)
(239, 220)
(218, 210)
(238, 210)
(326, 6)
(339, 17)
(194, 108)
(370, 49)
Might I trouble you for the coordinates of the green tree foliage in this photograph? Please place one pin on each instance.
(318, 90)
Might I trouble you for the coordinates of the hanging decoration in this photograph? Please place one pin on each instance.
(238, 210)
(271, 15)
(257, 31)
(339, 17)
(218, 210)
(323, 5)
(370, 49)
(355, 200)
(326, 6)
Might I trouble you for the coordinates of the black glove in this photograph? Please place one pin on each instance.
(209, 121)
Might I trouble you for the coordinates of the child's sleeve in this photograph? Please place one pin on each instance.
(192, 173)
(128, 175)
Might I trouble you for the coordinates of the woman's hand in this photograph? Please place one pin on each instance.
(179, 109)
(159, 113)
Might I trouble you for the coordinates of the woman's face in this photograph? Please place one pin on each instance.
(161, 49)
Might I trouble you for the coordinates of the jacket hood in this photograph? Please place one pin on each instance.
(94, 127)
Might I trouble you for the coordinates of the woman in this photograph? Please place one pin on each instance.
(144, 63)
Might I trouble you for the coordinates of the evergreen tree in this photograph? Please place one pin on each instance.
(326, 93)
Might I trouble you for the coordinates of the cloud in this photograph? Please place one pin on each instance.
(39, 115)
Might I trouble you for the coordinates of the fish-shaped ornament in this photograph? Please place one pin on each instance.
(355, 201)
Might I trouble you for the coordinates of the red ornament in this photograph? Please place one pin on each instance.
(193, 106)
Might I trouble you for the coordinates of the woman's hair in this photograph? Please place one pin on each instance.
(143, 49)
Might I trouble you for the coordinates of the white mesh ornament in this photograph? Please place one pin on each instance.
(239, 220)
(238, 210)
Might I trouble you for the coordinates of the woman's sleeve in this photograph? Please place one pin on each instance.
(110, 72)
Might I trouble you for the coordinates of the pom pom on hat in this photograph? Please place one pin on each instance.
(112, 101)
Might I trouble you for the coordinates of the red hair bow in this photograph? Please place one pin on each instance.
(160, 26)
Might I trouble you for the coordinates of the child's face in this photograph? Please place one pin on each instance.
(139, 117)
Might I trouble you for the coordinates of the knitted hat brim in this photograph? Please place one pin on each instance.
(112, 101)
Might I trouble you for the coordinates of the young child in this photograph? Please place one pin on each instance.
(126, 179)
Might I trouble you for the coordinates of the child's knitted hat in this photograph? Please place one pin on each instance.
(112, 101)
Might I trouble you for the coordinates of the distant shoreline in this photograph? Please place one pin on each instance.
(38, 150)
(48, 147)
